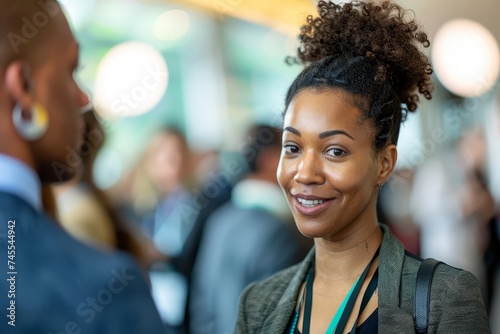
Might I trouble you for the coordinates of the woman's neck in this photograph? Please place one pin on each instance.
(346, 259)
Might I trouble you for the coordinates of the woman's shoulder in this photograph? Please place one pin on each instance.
(455, 281)
(455, 295)
(260, 299)
(272, 287)
(445, 275)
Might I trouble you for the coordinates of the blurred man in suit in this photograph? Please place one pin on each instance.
(50, 283)
(248, 239)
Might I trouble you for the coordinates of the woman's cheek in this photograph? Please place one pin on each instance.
(284, 173)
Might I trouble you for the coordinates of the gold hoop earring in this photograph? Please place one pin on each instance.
(34, 128)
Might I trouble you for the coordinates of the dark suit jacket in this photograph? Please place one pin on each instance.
(63, 286)
(239, 246)
(456, 302)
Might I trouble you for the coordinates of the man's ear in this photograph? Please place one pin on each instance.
(18, 83)
(387, 158)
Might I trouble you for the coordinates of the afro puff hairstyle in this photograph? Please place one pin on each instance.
(372, 51)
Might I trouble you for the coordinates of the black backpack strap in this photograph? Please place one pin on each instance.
(423, 293)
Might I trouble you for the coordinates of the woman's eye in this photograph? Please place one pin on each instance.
(336, 152)
(291, 149)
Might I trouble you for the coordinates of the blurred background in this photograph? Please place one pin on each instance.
(211, 69)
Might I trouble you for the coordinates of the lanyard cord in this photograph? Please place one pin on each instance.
(335, 321)
(372, 286)
(337, 325)
(297, 314)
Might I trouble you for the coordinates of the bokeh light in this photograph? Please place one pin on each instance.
(465, 57)
(131, 79)
(171, 25)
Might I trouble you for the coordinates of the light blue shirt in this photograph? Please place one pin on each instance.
(18, 179)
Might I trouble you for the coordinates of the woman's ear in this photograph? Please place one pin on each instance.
(18, 83)
(387, 159)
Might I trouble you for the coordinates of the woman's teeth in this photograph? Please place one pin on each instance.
(310, 203)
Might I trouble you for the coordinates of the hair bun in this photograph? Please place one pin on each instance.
(384, 32)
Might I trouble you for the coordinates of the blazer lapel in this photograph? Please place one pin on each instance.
(392, 318)
(278, 319)
(390, 269)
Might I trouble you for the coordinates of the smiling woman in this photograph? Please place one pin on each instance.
(364, 71)
(329, 158)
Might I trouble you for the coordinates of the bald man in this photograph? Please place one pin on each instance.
(50, 283)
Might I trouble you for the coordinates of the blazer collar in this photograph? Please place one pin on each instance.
(391, 261)
(390, 268)
(278, 318)
(17, 178)
(391, 315)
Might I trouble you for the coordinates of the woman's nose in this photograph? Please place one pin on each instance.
(309, 170)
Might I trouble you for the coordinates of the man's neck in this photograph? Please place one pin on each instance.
(13, 146)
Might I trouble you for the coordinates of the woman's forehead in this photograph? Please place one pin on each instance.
(322, 106)
(317, 111)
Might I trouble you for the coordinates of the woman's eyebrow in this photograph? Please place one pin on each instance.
(322, 135)
(293, 130)
(330, 133)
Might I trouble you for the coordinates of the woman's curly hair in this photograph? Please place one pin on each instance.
(368, 49)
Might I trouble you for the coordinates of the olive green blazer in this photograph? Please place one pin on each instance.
(456, 305)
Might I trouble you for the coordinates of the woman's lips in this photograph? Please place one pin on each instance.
(304, 207)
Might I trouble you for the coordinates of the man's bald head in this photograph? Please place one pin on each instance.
(25, 28)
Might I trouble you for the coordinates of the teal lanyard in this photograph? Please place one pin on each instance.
(338, 323)
(340, 311)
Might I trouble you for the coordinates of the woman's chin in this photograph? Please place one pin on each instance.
(313, 229)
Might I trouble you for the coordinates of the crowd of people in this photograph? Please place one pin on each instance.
(308, 228)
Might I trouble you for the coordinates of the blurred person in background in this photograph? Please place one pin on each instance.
(492, 259)
(453, 206)
(165, 164)
(364, 70)
(139, 197)
(245, 240)
(86, 212)
(57, 284)
(393, 209)
(49, 204)
(492, 263)
(214, 188)
(165, 170)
